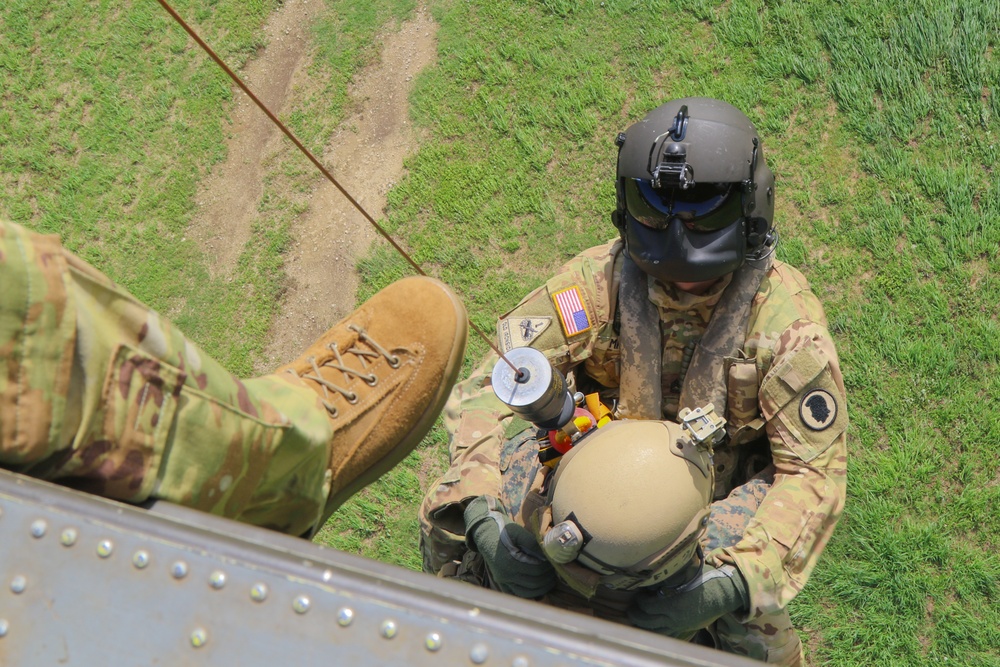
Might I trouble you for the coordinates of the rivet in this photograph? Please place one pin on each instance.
(4, 627)
(179, 569)
(344, 617)
(105, 548)
(433, 642)
(38, 528)
(479, 653)
(140, 559)
(199, 637)
(217, 579)
(388, 629)
(18, 584)
(301, 604)
(520, 661)
(68, 537)
(327, 575)
(258, 593)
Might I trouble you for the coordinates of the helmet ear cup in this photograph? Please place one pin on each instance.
(618, 215)
(618, 220)
(757, 229)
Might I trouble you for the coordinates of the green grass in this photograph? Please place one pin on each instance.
(106, 134)
(880, 120)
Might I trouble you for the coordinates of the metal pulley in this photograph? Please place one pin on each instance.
(536, 392)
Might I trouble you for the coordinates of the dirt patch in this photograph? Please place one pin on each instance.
(227, 202)
(365, 155)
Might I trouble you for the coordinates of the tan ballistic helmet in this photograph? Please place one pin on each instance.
(629, 503)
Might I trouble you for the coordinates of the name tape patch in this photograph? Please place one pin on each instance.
(520, 331)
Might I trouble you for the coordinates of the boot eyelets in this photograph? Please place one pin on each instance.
(394, 361)
(352, 398)
(371, 380)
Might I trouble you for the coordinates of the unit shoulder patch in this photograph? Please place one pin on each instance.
(818, 410)
(520, 331)
(572, 313)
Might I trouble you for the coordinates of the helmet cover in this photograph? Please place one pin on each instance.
(630, 502)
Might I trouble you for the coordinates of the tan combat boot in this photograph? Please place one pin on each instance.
(384, 373)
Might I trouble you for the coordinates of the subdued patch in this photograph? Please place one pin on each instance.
(228, 198)
(366, 156)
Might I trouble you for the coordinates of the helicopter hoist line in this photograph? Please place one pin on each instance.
(319, 165)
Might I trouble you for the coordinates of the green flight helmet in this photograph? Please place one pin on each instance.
(695, 197)
(629, 502)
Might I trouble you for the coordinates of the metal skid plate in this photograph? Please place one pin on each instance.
(87, 581)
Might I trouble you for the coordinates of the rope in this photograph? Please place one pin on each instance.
(312, 158)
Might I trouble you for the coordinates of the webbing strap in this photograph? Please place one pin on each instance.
(640, 393)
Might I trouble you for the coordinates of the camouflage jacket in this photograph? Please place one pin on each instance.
(796, 391)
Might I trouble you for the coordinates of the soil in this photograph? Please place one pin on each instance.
(365, 155)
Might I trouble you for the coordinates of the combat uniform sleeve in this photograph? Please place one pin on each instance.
(803, 400)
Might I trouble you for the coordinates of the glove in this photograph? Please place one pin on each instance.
(510, 552)
(683, 611)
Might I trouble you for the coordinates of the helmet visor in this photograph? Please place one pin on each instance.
(706, 207)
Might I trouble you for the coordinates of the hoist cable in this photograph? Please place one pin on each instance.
(312, 158)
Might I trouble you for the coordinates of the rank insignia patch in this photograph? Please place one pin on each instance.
(572, 313)
(818, 409)
(520, 331)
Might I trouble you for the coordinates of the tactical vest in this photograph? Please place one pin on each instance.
(718, 373)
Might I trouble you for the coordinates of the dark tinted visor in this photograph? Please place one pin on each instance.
(706, 207)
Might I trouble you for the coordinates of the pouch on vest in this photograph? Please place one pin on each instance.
(743, 421)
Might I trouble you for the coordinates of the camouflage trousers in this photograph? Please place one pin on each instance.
(769, 638)
(101, 393)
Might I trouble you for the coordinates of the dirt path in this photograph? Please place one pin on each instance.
(227, 203)
(365, 155)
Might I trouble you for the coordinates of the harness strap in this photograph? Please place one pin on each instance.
(640, 394)
(724, 336)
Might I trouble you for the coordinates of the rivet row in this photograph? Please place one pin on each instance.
(478, 654)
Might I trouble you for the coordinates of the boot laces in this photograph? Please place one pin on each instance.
(367, 357)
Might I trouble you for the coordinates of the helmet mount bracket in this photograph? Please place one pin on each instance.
(668, 156)
(668, 164)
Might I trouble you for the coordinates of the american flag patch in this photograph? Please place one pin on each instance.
(572, 314)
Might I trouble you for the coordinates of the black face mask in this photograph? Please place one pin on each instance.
(677, 254)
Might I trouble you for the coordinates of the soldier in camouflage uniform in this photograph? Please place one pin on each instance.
(101, 393)
(687, 307)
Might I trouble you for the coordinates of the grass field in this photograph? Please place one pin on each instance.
(881, 121)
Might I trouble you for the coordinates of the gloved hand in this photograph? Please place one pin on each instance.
(511, 553)
(682, 611)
